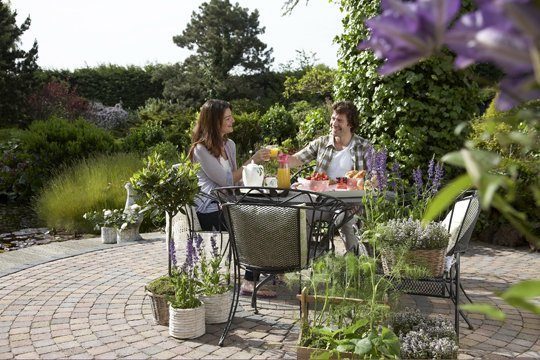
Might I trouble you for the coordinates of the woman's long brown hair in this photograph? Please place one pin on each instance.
(207, 130)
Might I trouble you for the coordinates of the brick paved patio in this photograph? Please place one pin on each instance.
(93, 306)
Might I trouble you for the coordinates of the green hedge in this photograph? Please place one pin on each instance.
(110, 84)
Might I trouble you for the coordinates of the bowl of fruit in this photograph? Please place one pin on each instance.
(316, 182)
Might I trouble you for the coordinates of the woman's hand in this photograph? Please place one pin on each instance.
(261, 155)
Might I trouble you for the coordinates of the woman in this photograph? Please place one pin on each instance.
(216, 154)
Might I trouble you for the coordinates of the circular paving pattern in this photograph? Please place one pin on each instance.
(93, 306)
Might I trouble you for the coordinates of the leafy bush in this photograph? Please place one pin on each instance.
(167, 151)
(176, 120)
(246, 132)
(56, 98)
(141, 139)
(315, 124)
(15, 171)
(277, 125)
(92, 184)
(55, 142)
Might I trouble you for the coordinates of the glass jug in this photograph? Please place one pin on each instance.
(283, 172)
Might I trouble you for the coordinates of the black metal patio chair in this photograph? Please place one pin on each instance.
(460, 222)
(274, 231)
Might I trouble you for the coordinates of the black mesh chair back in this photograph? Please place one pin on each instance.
(268, 237)
(274, 231)
(461, 221)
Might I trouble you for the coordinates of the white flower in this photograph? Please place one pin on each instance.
(107, 213)
(85, 216)
(135, 208)
(124, 225)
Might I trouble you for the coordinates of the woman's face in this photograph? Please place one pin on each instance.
(227, 122)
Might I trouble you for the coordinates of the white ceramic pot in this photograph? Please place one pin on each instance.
(108, 235)
(187, 323)
(217, 307)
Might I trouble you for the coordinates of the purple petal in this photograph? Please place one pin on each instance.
(516, 90)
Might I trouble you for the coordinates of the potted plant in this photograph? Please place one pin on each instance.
(350, 312)
(186, 310)
(422, 245)
(169, 189)
(126, 230)
(215, 285)
(106, 220)
(158, 290)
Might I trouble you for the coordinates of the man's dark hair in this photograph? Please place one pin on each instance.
(350, 110)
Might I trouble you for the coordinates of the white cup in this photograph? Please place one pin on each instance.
(270, 181)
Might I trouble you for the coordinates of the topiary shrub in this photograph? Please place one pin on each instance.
(55, 142)
(89, 185)
(277, 125)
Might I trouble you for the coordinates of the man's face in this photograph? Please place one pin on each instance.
(340, 125)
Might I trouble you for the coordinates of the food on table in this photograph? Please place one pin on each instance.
(355, 174)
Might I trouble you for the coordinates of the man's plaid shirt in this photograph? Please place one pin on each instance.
(323, 149)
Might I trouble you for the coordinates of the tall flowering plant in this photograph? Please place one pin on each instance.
(213, 281)
(186, 282)
(390, 196)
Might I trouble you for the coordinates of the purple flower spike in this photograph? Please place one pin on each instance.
(431, 169)
(191, 256)
(172, 252)
(213, 244)
(408, 32)
(437, 178)
(380, 169)
(515, 90)
(370, 161)
(418, 182)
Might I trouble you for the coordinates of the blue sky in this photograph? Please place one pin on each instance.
(75, 33)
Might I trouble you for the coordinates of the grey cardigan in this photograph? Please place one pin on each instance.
(212, 174)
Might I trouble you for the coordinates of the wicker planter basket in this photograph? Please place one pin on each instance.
(160, 308)
(187, 323)
(217, 307)
(432, 260)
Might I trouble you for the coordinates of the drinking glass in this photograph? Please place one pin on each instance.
(274, 151)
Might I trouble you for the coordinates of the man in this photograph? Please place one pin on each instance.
(335, 154)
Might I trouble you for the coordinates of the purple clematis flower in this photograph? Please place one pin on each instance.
(408, 32)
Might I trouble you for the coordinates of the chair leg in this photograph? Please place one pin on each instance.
(465, 293)
(256, 287)
(234, 303)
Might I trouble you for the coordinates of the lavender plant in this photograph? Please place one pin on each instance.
(424, 337)
(213, 281)
(413, 234)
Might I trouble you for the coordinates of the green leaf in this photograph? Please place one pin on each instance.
(363, 347)
(444, 198)
(522, 303)
(485, 309)
(526, 289)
